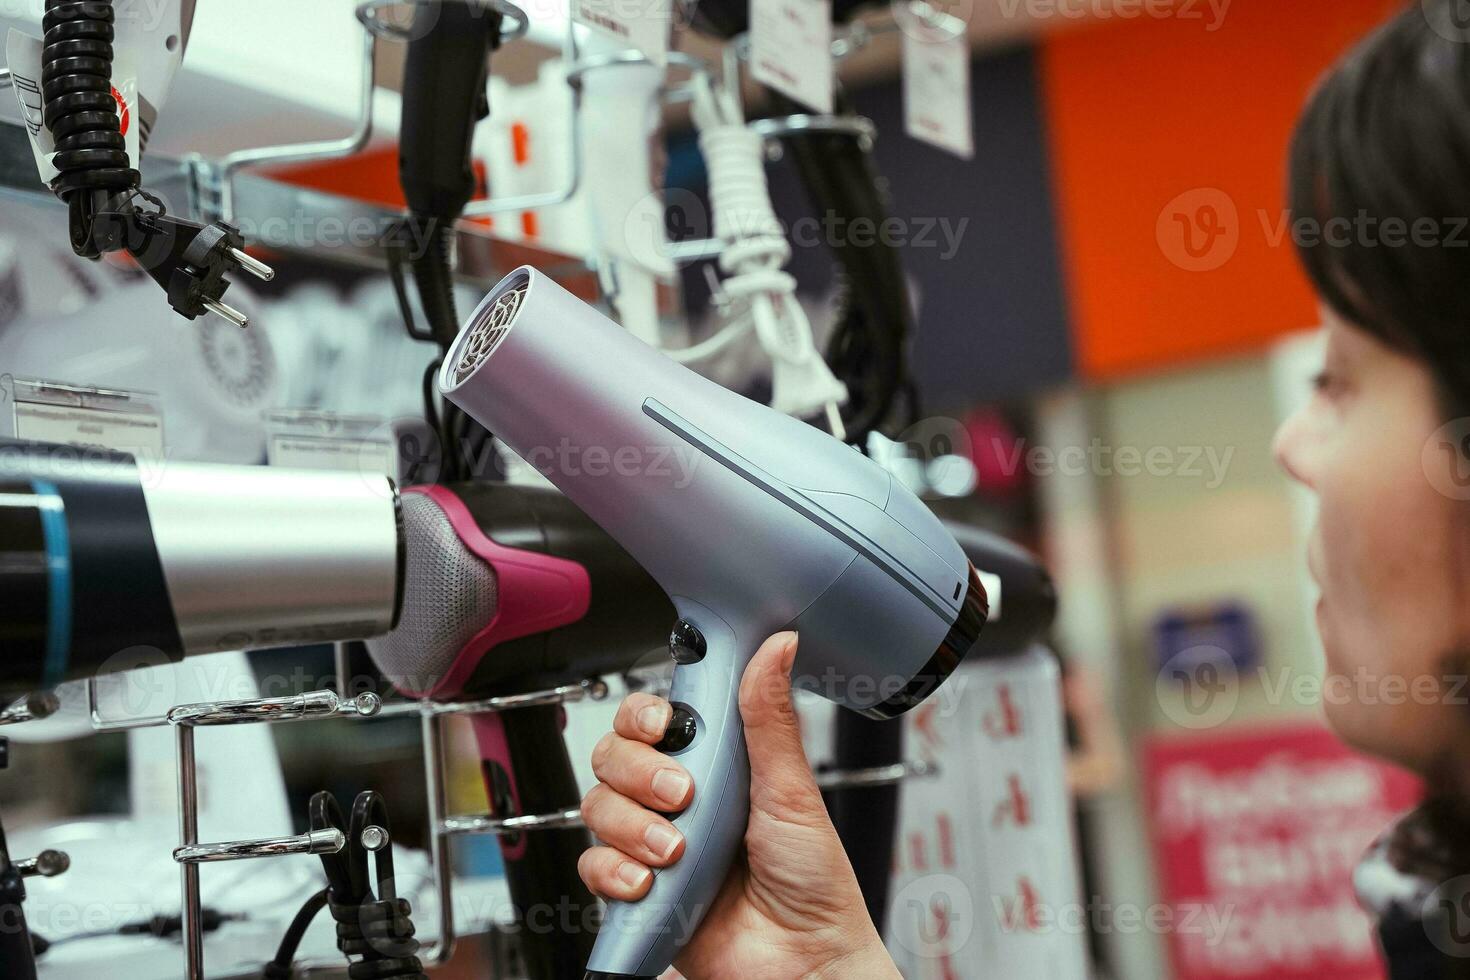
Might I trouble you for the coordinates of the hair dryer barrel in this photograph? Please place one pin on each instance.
(184, 559)
(752, 522)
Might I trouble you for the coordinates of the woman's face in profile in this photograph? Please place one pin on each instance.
(1383, 550)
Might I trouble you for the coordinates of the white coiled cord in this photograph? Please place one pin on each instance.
(757, 289)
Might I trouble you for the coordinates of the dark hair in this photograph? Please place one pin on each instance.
(1386, 136)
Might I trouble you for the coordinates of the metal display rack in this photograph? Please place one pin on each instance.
(327, 705)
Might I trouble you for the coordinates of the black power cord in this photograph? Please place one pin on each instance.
(868, 351)
(444, 96)
(158, 926)
(374, 926)
(107, 207)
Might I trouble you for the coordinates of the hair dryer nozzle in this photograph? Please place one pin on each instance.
(509, 587)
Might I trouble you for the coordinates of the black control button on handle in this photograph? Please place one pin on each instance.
(680, 733)
(686, 644)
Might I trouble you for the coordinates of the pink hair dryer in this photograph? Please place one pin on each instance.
(510, 589)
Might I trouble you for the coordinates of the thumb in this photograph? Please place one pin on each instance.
(781, 781)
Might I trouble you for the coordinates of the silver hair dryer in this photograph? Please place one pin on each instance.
(752, 521)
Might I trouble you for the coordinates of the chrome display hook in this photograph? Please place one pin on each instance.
(219, 177)
(877, 775)
(443, 827)
(185, 718)
(369, 13)
(737, 50)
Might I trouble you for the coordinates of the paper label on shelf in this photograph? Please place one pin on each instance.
(643, 24)
(791, 49)
(85, 417)
(328, 441)
(936, 91)
(23, 57)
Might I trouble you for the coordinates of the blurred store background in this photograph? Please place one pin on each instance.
(1111, 325)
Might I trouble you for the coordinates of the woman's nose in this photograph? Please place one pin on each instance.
(1290, 447)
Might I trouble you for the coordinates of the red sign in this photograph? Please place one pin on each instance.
(1256, 834)
(124, 116)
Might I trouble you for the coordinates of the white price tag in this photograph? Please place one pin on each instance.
(23, 56)
(327, 441)
(88, 418)
(643, 24)
(791, 49)
(936, 90)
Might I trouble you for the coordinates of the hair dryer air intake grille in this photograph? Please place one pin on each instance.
(490, 327)
(449, 595)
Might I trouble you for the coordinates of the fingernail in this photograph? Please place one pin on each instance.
(671, 786)
(661, 839)
(633, 875)
(653, 719)
(788, 647)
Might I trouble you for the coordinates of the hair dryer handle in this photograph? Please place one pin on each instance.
(641, 939)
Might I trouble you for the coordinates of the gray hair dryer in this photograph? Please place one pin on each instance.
(752, 521)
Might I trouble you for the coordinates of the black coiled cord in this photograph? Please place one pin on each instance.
(374, 931)
(868, 351)
(80, 111)
(382, 934)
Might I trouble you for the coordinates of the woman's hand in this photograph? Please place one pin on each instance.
(790, 907)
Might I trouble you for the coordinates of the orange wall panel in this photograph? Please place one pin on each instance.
(1169, 144)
